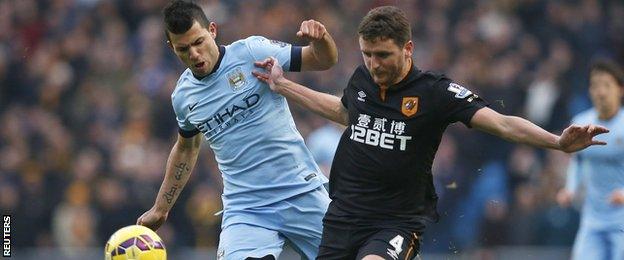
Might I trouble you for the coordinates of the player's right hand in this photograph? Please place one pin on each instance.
(311, 30)
(152, 219)
(564, 198)
(575, 137)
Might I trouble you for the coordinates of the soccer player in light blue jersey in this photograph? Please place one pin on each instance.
(601, 170)
(273, 190)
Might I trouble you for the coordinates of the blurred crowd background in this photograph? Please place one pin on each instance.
(87, 122)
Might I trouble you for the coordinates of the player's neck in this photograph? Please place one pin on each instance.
(608, 114)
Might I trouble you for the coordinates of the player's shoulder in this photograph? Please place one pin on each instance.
(433, 79)
(185, 81)
(585, 117)
(360, 73)
(254, 41)
(244, 48)
(360, 79)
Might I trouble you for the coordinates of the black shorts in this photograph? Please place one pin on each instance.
(347, 241)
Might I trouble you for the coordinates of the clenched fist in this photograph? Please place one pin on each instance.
(152, 219)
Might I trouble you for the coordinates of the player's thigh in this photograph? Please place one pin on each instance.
(241, 241)
(391, 244)
(616, 239)
(336, 243)
(589, 244)
(304, 222)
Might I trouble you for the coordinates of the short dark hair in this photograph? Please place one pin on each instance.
(385, 22)
(608, 66)
(179, 17)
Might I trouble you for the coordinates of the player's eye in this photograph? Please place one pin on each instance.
(383, 55)
(199, 41)
(367, 54)
(183, 49)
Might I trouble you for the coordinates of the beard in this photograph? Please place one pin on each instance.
(387, 77)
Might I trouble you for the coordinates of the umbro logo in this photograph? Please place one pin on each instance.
(361, 96)
(192, 106)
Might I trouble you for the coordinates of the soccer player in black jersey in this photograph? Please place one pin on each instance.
(380, 183)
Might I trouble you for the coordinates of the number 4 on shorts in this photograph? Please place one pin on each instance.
(397, 243)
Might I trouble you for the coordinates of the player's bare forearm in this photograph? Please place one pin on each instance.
(178, 170)
(323, 104)
(514, 129)
(324, 52)
(574, 138)
(520, 130)
(321, 53)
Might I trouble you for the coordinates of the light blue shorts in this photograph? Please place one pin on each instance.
(594, 243)
(262, 231)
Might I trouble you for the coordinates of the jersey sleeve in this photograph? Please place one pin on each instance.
(185, 128)
(457, 103)
(289, 56)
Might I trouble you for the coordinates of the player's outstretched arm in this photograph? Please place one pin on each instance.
(520, 130)
(322, 53)
(178, 170)
(326, 105)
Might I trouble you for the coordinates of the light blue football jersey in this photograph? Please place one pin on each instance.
(601, 170)
(261, 155)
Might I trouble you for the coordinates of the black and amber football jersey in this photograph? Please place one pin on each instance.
(382, 167)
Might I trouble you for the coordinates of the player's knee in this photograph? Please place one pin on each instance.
(266, 257)
(372, 257)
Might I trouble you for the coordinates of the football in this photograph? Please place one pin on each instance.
(135, 243)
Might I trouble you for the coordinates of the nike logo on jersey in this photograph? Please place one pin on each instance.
(192, 106)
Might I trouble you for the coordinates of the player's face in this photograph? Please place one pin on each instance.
(385, 60)
(606, 94)
(196, 48)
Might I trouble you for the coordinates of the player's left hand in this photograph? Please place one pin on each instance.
(575, 137)
(311, 30)
(617, 197)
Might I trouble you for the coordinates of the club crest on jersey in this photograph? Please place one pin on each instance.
(236, 79)
(409, 106)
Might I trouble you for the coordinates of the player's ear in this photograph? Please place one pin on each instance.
(168, 40)
(408, 49)
(212, 28)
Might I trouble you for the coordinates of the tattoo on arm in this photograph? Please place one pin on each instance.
(180, 169)
(171, 193)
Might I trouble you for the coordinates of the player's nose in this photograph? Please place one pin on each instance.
(194, 54)
(374, 63)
